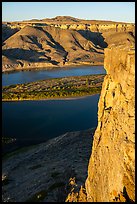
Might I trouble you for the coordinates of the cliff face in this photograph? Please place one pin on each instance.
(94, 27)
(98, 27)
(111, 170)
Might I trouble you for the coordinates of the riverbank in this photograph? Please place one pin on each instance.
(66, 87)
(47, 172)
(51, 99)
(48, 66)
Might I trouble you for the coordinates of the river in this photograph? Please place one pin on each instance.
(33, 122)
(34, 75)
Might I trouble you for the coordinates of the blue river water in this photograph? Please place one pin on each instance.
(33, 122)
(34, 75)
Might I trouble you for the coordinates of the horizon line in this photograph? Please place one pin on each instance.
(67, 16)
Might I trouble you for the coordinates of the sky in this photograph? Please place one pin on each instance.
(114, 11)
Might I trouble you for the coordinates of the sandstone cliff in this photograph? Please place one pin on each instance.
(68, 22)
(116, 27)
(111, 170)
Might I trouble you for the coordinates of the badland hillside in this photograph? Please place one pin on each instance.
(60, 41)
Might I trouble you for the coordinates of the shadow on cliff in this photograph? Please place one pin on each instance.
(28, 55)
(8, 32)
(53, 43)
(95, 37)
(58, 46)
(126, 195)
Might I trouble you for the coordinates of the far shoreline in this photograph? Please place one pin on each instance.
(49, 99)
(27, 68)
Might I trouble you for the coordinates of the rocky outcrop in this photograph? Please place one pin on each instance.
(117, 27)
(99, 26)
(111, 170)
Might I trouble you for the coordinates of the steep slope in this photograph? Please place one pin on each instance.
(7, 31)
(111, 170)
(32, 177)
(59, 41)
(118, 38)
(31, 39)
(75, 44)
(32, 45)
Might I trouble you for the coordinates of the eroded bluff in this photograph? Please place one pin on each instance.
(111, 170)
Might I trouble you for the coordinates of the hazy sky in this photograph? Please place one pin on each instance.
(115, 11)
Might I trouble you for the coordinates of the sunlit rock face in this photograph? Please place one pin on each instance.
(115, 27)
(111, 170)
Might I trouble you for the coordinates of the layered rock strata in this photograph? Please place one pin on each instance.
(98, 28)
(95, 27)
(111, 170)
